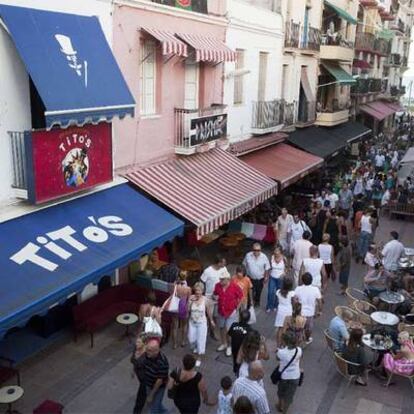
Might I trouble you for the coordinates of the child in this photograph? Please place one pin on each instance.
(225, 397)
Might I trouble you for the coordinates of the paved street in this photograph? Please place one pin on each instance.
(100, 380)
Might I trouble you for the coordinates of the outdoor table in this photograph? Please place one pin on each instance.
(392, 298)
(210, 237)
(190, 265)
(385, 318)
(127, 319)
(370, 343)
(9, 395)
(237, 236)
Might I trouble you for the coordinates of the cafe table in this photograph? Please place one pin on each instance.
(384, 318)
(127, 319)
(9, 395)
(392, 299)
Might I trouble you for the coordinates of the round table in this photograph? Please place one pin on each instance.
(385, 318)
(237, 236)
(392, 298)
(370, 343)
(9, 395)
(127, 319)
(190, 265)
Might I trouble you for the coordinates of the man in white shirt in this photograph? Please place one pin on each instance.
(250, 387)
(282, 228)
(379, 161)
(316, 268)
(371, 258)
(311, 300)
(332, 197)
(211, 275)
(300, 251)
(257, 268)
(297, 228)
(392, 252)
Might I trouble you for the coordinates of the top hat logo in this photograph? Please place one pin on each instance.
(65, 44)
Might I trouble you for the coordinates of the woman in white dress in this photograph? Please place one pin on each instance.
(284, 296)
(326, 253)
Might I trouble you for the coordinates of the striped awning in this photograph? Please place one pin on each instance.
(380, 109)
(208, 49)
(170, 44)
(208, 189)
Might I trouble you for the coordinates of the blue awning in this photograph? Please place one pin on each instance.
(71, 65)
(50, 254)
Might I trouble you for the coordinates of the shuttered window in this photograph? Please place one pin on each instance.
(262, 76)
(239, 78)
(148, 78)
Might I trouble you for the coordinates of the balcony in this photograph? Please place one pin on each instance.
(369, 85)
(198, 130)
(398, 25)
(296, 37)
(271, 116)
(19, 167)
(367, 42)
(328, 119)
(336, 47)
(394, 59)
(397, 91)
(306, 113)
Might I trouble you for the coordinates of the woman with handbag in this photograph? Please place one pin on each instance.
(290, 375)
(177, 304)
(149, 313)
(186, 387)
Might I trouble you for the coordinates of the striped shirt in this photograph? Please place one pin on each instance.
(148, 370)
(254, 392)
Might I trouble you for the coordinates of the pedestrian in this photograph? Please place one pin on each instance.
(285, 295)
(297, 228)
(237, 332)
(300, 252)
(199, 310)
(245, 284)
(282, 228)
(257, 267)
(243, 406)
(327, 254)
(149, 309)
(392, 252)
(345, 199)
(179, 318)
(228, 296)
(278, 269)
(371, 258)
(343, 261)
(315, 266)
(331, 227)
(311, 300)
(366, 234)
(296, 323)
(225, 396)
(189, 387)
(289, 357)
(151, 369)
(252, 349)
(250, 387)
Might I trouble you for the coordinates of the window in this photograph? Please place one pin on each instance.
(262, 76)
(285, 81)
(191, 98)
(238, 78)
(148, 78)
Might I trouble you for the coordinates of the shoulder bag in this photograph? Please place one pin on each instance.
(276, 375)
(172, 392)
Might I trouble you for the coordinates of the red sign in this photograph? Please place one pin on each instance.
(65, 161)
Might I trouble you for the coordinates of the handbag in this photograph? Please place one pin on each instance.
(152, 326)
(301, 379)
(172, 392)
(276, 375)
(252, 318)
(174, 302)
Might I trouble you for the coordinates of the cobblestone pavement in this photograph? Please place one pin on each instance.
(100, 380)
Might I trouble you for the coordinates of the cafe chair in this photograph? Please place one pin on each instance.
(330, 343)
(364, 310)
(405, 327)
(49, 407)
(355, 314)
(8, 371)
(353, 294)
(342, 366)
(409, 377)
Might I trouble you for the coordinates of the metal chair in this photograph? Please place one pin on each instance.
(409, 377)
(330, 343)
(342, 366)
(353, 294)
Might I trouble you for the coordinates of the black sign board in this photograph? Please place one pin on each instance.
(199, 6)
(208, 128)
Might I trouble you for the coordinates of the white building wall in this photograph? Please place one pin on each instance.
(14, 81)
(254, 30)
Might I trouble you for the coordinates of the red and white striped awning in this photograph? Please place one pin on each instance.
(209, 189)
(170, 44)
(208, 49)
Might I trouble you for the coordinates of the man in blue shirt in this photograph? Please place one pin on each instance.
(338, 329)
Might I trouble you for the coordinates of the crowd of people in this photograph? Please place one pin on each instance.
(314, 247)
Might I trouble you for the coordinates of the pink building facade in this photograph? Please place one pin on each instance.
(161, 83)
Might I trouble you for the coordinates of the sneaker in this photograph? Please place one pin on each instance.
(221, 348)
(268, 310)
(198, 363)
(228, 351)
(309, 341)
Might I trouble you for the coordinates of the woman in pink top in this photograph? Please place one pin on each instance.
(403, 361)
